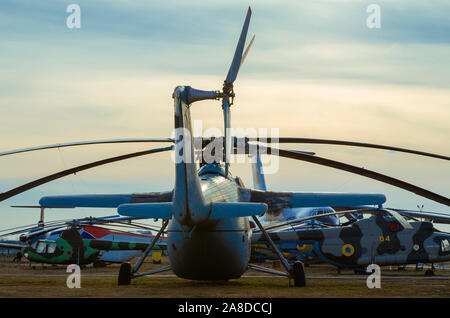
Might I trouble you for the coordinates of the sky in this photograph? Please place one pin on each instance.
(315, 70)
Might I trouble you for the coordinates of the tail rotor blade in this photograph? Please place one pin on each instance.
(238, 58)
(236, 63)
(246, 52)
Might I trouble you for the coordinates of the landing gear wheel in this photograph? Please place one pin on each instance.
(124, 274)
(298, 272)
(429, 272)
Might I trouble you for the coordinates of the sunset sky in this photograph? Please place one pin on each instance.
(315, 70)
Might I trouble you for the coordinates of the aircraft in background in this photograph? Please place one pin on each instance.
(114, 256)
(385, 238)
(89, 229)
(70, 248)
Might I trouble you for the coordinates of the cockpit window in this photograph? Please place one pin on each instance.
(41, 248)
(211, 169)
(51, 248)
(329, 219)
(322, 211)
(34, 245)
(445, 245)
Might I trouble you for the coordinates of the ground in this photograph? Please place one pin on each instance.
(21, 280)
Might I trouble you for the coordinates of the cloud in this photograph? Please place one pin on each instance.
(315, 70)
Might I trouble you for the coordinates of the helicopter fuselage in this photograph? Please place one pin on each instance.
(213, 249)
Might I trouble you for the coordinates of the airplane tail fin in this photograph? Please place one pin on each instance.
(259, 182)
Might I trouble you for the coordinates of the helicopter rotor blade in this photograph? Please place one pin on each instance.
(57, 175)
(359, 171)
(86, 143)
(399, 218)
(308, 218)
(366, 173)
(299, 221)
(34, 234)
(294, 140)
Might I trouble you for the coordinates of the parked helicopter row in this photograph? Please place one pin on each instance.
(213, 222)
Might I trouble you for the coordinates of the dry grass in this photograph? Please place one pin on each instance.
(19, 280)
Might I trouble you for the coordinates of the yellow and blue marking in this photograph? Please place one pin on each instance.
(348, 250)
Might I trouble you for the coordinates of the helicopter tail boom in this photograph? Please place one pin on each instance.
(189, 206)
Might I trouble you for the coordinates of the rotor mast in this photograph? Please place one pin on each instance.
(227, 94)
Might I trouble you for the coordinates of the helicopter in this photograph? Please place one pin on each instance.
(71, 248)
(47, 243)
(310, 247)
(206, 216)
(385, 238)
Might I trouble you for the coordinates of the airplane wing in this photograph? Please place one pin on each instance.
(104, 200)
(278, 200)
